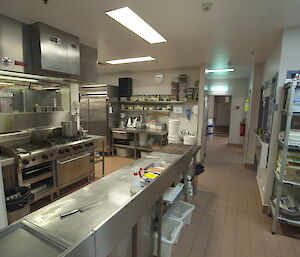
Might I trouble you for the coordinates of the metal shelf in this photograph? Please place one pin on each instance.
(152, 102)
(124, 146)
(284, 218)
(289, 147)
(40, 195)
(146, 149)
(148, 111)
(287, 113)
(289, 90)
(286, 182)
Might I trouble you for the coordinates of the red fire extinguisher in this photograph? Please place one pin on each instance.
(242, 128)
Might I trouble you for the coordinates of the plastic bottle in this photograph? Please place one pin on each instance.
(189, 186)
(136, 182)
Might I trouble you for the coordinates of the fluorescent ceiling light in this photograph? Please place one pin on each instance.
(136, 24)
(219, 70)
(216, 88)
(130, 60)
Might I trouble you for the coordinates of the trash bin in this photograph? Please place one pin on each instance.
(182, 211)
(17, 203)
(199, 168)
(171, 229)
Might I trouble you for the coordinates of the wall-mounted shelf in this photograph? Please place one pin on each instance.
(152, 102)
(146, 111)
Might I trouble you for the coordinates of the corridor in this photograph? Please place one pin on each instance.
(228, 220)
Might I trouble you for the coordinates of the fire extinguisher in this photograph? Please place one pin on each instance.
(242, 128)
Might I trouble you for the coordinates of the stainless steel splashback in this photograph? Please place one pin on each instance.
(11, 122)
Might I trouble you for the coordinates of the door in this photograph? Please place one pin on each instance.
(222, 111)
(97, 116)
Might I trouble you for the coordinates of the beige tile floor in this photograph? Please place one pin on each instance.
(111, 164)
(228, 220)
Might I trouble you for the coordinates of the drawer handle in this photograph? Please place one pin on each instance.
(120, 132)
(74, 159)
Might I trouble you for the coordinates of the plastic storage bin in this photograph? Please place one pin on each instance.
(121, 152)
(171, 229)
(182, 211)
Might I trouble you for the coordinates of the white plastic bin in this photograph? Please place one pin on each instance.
(171, 229)
(121, 152)
(182, 211)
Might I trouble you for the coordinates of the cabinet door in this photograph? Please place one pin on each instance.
(84, 113)
(98, 116)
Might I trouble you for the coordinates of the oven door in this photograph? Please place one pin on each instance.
(74, 167)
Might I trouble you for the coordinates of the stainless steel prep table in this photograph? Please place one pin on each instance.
(98, 231)
(136, 146)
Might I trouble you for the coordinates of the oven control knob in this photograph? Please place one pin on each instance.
(61, 151)
(25, 162)
(80, 147)
(67, 150)
(45, 156)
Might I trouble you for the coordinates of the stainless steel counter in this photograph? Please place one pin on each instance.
(135, 130)
(6, 160)
(97, 231)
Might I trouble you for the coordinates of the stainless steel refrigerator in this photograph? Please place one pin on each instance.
(99, 110)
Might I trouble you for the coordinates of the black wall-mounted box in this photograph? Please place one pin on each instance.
(125, 87)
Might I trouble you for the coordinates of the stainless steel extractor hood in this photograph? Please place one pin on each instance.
(15, 47)
(44, 50)
(54, 50)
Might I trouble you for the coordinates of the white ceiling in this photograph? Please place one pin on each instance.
(231, 31)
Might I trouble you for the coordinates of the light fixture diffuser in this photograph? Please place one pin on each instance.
(136, 24)
(131, 60)
(219, 88)
(218, 70)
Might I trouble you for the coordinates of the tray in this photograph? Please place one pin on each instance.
(22, 239)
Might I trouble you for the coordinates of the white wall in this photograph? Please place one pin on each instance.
(211, 106)
(253, 113)
(144, 84)
(238, 89)
(143, 81)
(272, 63)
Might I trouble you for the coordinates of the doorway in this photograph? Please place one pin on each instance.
(222, 108)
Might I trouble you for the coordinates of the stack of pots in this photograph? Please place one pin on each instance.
(173, 135)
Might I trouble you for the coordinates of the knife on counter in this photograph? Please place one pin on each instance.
(81, 209)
